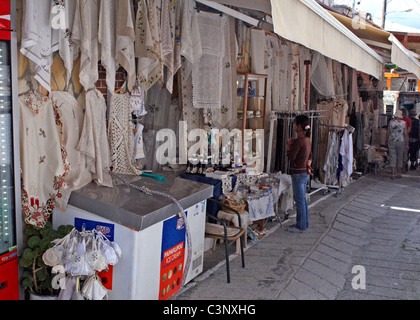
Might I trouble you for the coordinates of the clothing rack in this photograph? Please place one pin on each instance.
(333, 127)
(285, 119)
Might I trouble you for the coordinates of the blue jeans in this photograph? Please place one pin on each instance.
(299, 182)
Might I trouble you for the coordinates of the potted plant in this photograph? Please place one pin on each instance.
(36, 277)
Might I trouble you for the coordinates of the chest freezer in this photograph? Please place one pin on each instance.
(149, 230)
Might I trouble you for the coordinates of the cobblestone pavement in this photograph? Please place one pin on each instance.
(374, 223)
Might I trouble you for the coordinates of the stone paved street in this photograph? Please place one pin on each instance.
(374, 223)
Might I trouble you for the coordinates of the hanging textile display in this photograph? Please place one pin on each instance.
(148, 45)
(107, 32)
(207, 91)
(94, 142)
(137, 101)
(161, 114)
(192, 116)
(322, 75)
(295, 79)
(282, 96)
(85, 34)
(66, 47)
(44, 162)
(38, 38)
(121, 136)
(125, 37)
(171, 39)
(191, 47)
(346, 152)
(138, 143)
(226, 116)
(72, 119)
(332, 158)
(258, 48)
(305, 57)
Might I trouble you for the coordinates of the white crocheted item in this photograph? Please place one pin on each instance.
(121, 135)
(207, 91)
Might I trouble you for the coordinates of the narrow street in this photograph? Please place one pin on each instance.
(373, 224)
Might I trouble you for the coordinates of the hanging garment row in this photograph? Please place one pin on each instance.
(338, 163)
(145, 37)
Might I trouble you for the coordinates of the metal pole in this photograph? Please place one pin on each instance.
(384, 14)
(354, 9)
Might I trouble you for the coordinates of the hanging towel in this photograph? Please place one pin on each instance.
(148, 45)
(85, 34)
(93, 141)
(39, 40)
(66, 47)
(125, 37)
(107, 37)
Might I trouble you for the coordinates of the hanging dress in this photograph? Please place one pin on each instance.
(93, 140)
(44, 162)
(72, 119)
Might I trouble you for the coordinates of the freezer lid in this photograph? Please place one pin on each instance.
(136, 210)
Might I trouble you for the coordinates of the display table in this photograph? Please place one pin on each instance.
(148, 229)
(212, 208)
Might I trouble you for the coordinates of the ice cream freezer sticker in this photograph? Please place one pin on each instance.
(172, 257)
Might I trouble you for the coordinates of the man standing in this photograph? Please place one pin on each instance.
(414, 139)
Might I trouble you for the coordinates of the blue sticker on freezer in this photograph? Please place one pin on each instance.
(106, 228)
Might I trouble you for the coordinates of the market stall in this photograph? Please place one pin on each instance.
(133, 115)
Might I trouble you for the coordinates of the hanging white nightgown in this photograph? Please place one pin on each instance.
(44, 161)
(72, 118)
(125, 37)
(107, 40)
(85, 34)
(93, 141)
(38, 38)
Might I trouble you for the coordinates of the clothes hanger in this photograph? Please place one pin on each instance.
(122, 89)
